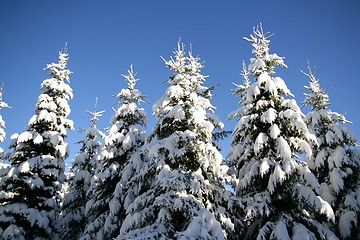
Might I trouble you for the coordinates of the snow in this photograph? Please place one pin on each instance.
(263, 231)
(176, 186)
(55, 138)
(31, 166)
(264, 78)
(337, 158)
(155, 182)
(333, 161)
(280, 84)
(24, 137)
(46, 116)
(37, 183)
(280, 231)
(24, 167)
(336, 180)
(251, 93)
(177, 112)
(346, 222)
(215, 120)
(351, 201)
(268, 116)
(14, 232)
(330, 137)
(62, 150)
(288, 166)
(50, 105)
(38, 218)
(175, 91)
(283, 148)
(300, 232)
(274, 131)
(320, 159)
(250, 173)
(321, 205)
(303, 147)
(260, 142)
(203, 226)
(310, 178)
(256, 65)
(38, 139)
(278, 176)
(12, 173)
(264, 166)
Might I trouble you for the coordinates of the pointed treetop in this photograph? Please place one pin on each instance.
(95, 115)
(65, 50)
(245, 75)
(177, 65)
(194, 65)
(58, 70)
(317, 98)
(240, 90)
(186, 68)
(131, 94)
(260, 41)
(130, 78)
(1, 92)
(263, 61)
(3, 104)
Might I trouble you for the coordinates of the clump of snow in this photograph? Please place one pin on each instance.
(346, 223)
(269, 116)
(278, 176)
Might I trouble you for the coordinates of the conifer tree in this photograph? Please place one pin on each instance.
(2, 128)
(30, 203)
(277, 191)
(125, 135)
(335, 161)
(181, 178)
(83, 168)
(4, 165)
(126, 189)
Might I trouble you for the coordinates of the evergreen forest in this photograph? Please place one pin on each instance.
(288, 174)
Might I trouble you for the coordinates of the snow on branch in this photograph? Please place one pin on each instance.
(317, 98)
(95, 115)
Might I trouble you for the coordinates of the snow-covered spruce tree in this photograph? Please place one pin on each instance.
(83, 168)
(30, 203)
(335, 162)
(4, 165)
(182, 177)
(127, 188)
(2, 126)
(104, 210)
(276, 189)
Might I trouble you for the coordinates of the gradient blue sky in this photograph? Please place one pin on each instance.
(105, 37)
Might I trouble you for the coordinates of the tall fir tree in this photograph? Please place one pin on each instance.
(2, 129)
(126, 189)
(83, 169)
(4, 165)
(277, 192)
(335, 161)
(124, 137)
(30, 202)
(182, 175)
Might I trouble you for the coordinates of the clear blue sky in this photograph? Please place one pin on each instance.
(105, 37)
